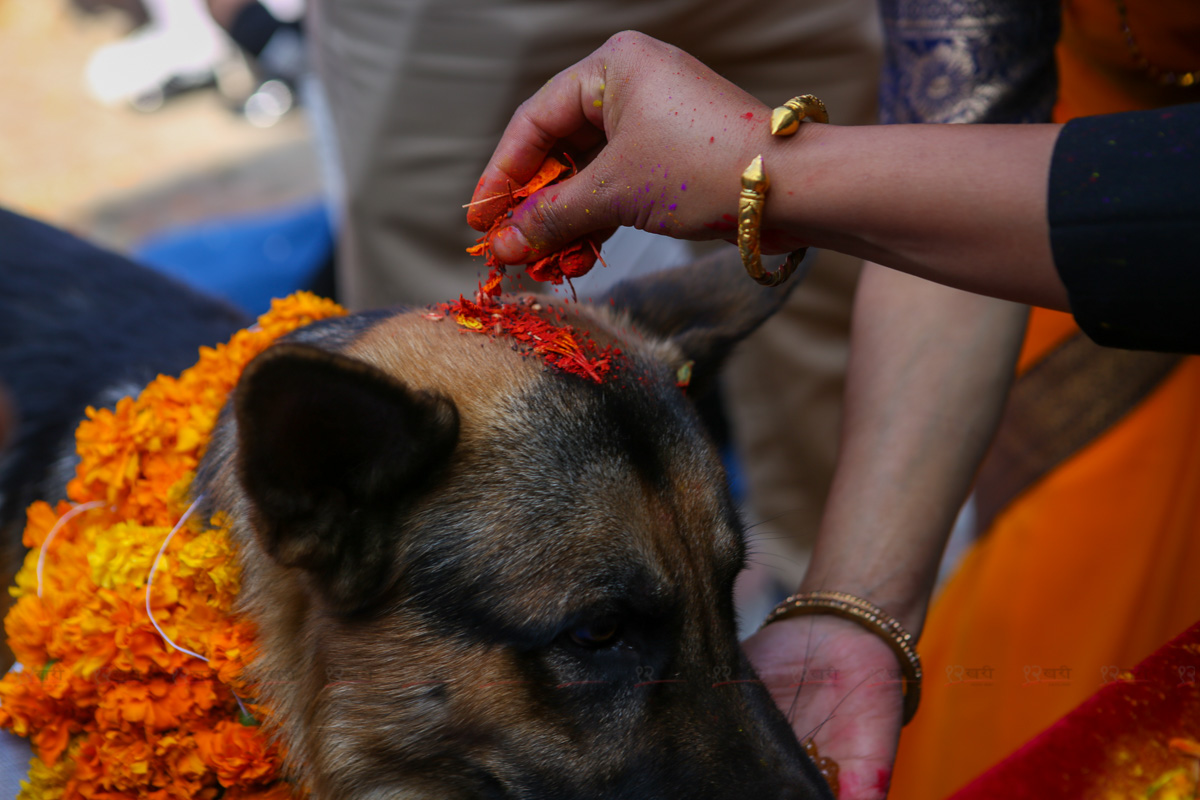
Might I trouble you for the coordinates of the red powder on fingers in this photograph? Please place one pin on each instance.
(551, 170)
(559, 345)
(572, 261)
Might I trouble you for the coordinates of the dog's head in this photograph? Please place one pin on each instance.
(478, 577)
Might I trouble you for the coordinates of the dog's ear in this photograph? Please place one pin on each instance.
(330, 450)
(704, 308)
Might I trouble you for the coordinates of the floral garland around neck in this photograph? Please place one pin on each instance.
(111, 709)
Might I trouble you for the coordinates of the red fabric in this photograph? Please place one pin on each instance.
(1117, 743)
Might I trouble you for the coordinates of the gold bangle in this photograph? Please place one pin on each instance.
(785, 120)
(871, 617)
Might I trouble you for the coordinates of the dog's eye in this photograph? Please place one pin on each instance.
(596, 634)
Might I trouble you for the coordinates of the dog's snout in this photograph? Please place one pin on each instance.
(802, 793)
(797, 781)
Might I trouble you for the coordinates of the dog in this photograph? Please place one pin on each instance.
(481, 577)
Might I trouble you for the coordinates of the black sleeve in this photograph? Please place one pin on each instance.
(1124, 209)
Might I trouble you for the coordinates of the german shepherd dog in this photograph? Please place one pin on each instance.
(482, 577)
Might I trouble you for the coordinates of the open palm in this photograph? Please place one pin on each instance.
(839, 685)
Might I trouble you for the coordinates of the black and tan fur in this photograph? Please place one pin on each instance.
(475, 577)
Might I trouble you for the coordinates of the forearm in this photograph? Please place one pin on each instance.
(960, 205)
(922, 403)
(663, 140)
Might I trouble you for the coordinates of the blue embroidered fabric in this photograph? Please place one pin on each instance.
(968, 60)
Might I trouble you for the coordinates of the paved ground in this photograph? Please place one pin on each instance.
(114, 175)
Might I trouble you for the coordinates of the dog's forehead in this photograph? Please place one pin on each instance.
(621, 466)
(495, 387)
(433, 353)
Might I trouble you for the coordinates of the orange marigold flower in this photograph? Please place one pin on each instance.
(229, 650)
(28, 710)
(238, 753)
(30, 626)
(39, 519)
(156, 705)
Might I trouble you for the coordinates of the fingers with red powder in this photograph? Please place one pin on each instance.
(659, 139)
(561, 111)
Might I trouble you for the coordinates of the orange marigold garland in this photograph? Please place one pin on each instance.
(111, 709)
(555, 342)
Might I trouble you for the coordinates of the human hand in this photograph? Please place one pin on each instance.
(836, 683)
(661, 142)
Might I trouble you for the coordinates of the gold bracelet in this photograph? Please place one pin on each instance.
(871, 617)
(785, 120)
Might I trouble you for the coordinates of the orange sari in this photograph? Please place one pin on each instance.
(1095, 566)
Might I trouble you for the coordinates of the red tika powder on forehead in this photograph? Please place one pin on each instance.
(558, 344)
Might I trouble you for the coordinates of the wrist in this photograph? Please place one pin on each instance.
(886, 551)
(903, 602)
(870, 618)
(795, 165)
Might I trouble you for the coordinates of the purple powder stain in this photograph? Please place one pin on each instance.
(683, 187)
(672, 206)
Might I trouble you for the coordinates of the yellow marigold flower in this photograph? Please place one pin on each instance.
(44, 783)
(122, 556)
(209, 561)
(26, 582)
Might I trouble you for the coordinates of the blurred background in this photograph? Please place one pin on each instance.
(113, 130)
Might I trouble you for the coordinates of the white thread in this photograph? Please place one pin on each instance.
(150, 583)
(79, 509)
(150, 614)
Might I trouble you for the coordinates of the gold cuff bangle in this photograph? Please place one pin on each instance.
(871, 617)
(785, 120)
